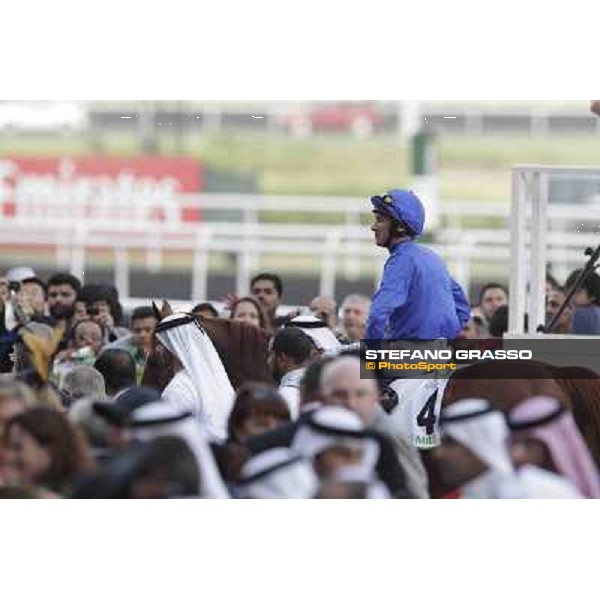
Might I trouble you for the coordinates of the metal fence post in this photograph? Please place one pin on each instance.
(518, 253)
(352, 254)
(328, 263)
(78, 247)
(539, 229)
(200, 265)
(122, 270)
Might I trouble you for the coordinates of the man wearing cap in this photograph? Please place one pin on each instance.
(417, 297)
(24, 299)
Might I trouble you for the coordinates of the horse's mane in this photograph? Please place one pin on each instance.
(242, 348)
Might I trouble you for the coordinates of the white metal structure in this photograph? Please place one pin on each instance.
(532, 244)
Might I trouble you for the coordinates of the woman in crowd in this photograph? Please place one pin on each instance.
(41, 448)
(15, 397)
(249, 310)
(257, 408)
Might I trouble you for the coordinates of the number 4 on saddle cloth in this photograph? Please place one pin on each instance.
(414, 405)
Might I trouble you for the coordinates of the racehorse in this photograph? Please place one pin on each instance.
(242, 348)
(504, 383)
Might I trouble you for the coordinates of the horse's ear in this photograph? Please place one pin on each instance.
(156, 311)
(166, 309)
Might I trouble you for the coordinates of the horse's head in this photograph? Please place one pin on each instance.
(164, 311)
(241, 347)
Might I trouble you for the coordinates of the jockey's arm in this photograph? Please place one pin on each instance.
(392, 294)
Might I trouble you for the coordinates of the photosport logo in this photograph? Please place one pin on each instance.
(440, 359)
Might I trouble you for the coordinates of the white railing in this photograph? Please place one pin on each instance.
(241, 228)
(534, 244)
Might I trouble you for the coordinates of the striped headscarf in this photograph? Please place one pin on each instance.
(548, 421)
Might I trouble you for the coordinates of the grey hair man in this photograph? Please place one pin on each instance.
(354, 313)
(84, 381)
(341, 384)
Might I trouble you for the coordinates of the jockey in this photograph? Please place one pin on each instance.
(417, 300)
(417, 297)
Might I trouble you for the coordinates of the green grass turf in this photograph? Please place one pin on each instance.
(470, 167)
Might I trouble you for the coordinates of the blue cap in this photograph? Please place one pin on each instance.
(402, 205)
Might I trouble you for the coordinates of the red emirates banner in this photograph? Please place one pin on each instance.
(100, 187)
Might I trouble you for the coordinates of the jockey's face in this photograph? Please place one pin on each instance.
(382, 228)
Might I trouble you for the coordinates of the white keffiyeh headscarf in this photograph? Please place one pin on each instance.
(323, 338)
(278, 473)
(159, 419)
(203, 386)
(474, 424)
(332, 426)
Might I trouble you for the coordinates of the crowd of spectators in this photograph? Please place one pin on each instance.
(79, 417)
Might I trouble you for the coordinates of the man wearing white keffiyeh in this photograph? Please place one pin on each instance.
(156, 420)
(201, 386)
(277, 473)
(474, 458)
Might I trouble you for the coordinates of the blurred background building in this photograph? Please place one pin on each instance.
(187, 200)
